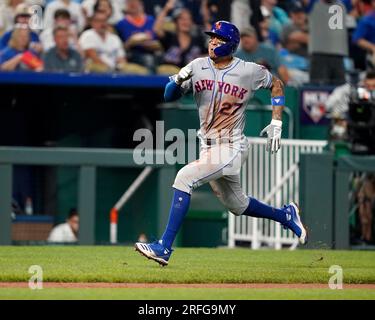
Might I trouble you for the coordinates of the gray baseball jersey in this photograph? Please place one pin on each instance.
(222, 94)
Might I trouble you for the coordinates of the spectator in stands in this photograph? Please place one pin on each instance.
(294, 40)
(153, 7)
(279, 17)
(364, 35)
(61, 57)
(269, 36)
(61, 19)
(253, 51)
(182, 46)
(102, 49)
(295, 34)
(66, 232)
(136, 31)
(17, 55)
(210, 14)
(22, 17)
(7, 14)
(195, 8)
(363, 7)
(240, 13)
(349, 5)
(74, 8)
(256, 17)
(366, 207)
(112, 8)
(356, 54)
(285, 4)
(214, 10)
(327, 46)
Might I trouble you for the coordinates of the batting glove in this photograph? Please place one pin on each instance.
(185, 74)
(273, 131)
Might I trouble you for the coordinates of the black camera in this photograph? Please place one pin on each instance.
(361, 121)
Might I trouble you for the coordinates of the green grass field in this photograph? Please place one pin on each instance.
(185, 294)
(123, 264)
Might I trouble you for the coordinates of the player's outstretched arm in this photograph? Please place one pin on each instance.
(273, 130)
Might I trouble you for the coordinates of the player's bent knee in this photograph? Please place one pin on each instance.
(182, 182)
(236, 211)
(235, 205)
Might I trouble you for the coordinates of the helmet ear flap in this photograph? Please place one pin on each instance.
(224, 50)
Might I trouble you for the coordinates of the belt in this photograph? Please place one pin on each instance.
(212, 142)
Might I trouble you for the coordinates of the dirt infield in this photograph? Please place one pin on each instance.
(81, 285)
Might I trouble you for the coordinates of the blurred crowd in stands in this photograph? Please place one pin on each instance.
(302, 41)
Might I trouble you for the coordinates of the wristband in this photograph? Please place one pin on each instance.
(278, 101)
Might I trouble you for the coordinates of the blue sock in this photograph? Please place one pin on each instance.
(177, 213)
(261, 210)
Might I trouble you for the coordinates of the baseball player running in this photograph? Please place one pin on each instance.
(222, 85)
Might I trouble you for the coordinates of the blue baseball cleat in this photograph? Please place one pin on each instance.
(294, 222)
(155, 251)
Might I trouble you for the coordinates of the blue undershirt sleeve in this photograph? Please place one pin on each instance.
(172, 91)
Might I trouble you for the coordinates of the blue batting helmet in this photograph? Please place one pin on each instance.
(228, 32)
